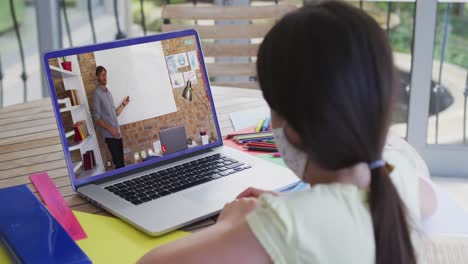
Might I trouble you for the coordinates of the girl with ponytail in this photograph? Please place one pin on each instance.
(327, 73)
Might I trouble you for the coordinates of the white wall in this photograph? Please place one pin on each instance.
(138, 71)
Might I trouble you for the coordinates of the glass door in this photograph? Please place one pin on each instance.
(437, 121)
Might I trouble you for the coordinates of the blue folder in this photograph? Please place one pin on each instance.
(31, 234)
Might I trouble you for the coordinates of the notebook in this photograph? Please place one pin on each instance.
(30, 234)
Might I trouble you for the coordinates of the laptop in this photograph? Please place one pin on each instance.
(163, 193)
(173, 140)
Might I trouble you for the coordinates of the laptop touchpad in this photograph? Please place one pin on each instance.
(208, 195)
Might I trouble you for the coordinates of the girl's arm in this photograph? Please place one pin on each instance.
(230, 240)
(427, 196)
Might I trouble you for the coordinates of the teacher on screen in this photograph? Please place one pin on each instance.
(105, 114)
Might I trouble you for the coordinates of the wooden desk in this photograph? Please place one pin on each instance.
(29, 141)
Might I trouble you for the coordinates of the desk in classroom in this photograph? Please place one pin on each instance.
(30, 143)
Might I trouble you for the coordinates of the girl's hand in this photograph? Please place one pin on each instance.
(235, 211)
(252, 192)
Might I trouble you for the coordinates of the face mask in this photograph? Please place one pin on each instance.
(294, 158)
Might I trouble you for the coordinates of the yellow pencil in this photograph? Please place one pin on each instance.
(258, 128)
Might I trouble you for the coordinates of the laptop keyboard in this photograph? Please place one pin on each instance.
(158, 184)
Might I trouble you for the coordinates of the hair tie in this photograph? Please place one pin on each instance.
(377, 164)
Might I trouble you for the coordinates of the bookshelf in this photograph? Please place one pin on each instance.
(60, 73)
(71, 108)
(73, 81)
(69, 134)
(85, 174)
(77, 166)
(80, 145)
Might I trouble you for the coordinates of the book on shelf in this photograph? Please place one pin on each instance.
(73, 95)
(89, 160)
(78, 135)
(84, 127)
(81, 131)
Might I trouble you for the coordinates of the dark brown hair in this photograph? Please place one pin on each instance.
(99, 69)
(328, 70)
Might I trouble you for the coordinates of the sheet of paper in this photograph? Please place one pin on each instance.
(191, 76)
(171, 64)
(193, 59)
(270, 158)
(181, 60)
(177, 80)
(244, 119)
(4, 257)
(110, 240)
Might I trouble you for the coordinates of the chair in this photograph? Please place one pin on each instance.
(258, 21)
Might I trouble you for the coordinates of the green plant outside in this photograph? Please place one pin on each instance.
(401, 37)
(6, 22)
(150, 7)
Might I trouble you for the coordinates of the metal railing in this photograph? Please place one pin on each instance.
(465, 94)
(91, 21)
(389, 13)
(23, 76)
(142, 15)
(439, 88)
(1, 83)
(120, 34)
(67, 24)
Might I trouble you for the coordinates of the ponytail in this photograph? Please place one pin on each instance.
(344, 116)
(391, 231)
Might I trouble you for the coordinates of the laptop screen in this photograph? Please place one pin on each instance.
(115, 101)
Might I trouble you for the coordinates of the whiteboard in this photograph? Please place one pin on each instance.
(138, 71)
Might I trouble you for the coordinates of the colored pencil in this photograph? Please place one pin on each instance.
(257, 135)
(259, 126)
(260, 144)
(266, 124)
(253, 140)
(232, 135)
(262, 149)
